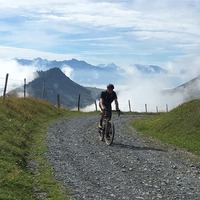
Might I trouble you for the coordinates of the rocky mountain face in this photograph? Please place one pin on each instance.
(52, 82)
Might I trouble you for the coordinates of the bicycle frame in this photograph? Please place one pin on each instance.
(108, 130)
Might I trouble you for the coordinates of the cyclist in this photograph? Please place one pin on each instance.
(106, 99)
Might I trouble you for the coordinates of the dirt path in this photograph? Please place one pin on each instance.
(132, 168)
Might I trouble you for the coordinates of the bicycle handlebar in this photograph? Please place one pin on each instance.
(119, 111)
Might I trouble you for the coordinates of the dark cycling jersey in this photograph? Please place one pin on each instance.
(107, 97)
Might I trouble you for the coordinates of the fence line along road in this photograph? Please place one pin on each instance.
(131, 107)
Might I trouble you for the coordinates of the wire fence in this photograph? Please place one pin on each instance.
(144, 107)
(18, 88)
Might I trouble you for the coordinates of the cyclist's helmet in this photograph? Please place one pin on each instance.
(110, 86)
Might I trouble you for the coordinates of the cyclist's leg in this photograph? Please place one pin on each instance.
(101, 119)
(109, 111)
(102, 116)
(108, 116)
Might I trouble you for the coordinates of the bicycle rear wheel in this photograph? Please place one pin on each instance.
(109, 133)
(101, 134)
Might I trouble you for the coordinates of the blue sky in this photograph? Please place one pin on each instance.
(123, 32)
(126, 32)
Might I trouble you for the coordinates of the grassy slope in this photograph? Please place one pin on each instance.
(22, 132)
(180, 127)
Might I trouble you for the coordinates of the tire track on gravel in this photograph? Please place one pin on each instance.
(131, 168)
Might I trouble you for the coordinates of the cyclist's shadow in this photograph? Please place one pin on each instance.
(135, 148)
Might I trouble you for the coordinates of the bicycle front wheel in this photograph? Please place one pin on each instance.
(110, 132)
(101, 134)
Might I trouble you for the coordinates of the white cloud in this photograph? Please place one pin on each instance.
(89, 108)
(16, 74)
(185, 67)
(102, 14)
(140, 90)
(8, 52)
(67, 70)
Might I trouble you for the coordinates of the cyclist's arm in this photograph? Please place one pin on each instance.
(102, 104)
(116, 104)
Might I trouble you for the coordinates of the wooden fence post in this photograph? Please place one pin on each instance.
(24, 88)
(166, 108)
(95, 105)
(5, 88)
(129, 104)
(58, 100)
(79, 98)
(145, 107)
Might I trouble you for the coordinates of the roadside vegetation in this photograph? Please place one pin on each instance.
(24, 171)
(179, 127)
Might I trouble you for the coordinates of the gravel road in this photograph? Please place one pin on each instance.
(133, 167)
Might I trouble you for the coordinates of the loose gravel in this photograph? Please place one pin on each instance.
(133, 167)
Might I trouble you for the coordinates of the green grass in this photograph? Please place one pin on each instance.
(179, 127)
(23, 125)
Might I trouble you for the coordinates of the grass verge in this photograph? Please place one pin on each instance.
(179, 127)
(24, 171)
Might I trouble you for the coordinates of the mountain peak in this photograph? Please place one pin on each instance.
(56, 82)
(53, 73)
(150, 69)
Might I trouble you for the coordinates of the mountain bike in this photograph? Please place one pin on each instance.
(108, 129)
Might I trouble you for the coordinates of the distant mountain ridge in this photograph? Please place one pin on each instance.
(81, 72)
(150, 69)
(84, 73)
